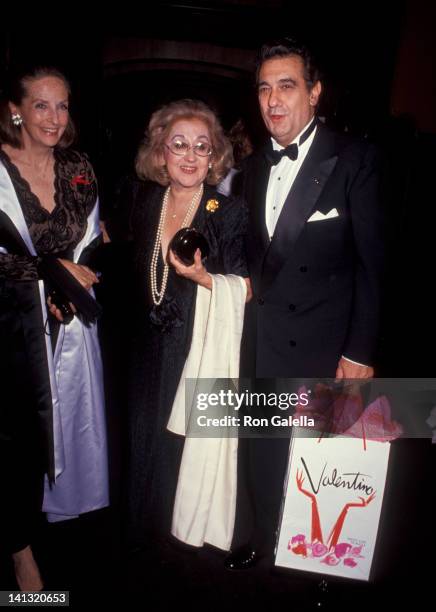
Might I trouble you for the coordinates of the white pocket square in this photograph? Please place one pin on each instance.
(319, 216)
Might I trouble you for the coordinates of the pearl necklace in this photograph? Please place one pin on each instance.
(158, 294)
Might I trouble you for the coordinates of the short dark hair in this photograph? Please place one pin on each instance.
(15, 91)
(287, 47)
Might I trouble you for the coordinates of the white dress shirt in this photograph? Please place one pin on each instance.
(282, 177)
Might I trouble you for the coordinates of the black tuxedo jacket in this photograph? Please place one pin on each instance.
(316, 284)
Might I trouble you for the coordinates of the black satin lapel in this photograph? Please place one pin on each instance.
(256, 198)
(10, 237)
(33, 327)
(297, 208)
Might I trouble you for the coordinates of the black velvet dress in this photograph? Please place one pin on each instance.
(161, 345)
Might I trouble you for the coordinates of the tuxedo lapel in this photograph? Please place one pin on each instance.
(300, 202)
(257, 197)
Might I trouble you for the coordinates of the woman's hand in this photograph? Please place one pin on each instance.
(197, 272)
(56, 312)
(249, 290)
(84, 275)
(106, 237)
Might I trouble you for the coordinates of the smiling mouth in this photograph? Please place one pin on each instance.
(51, 131)
(188, 169)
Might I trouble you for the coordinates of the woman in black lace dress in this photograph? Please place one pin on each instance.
(185, 155)
(51, 417)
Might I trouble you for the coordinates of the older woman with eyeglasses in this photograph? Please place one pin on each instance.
(185, 154)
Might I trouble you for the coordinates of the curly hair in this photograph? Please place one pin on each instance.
(149, 158)
(15, 91)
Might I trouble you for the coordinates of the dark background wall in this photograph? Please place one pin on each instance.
(121, 71)
(380, 64)
(380, 69)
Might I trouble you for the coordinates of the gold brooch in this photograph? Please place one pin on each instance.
(212, 205)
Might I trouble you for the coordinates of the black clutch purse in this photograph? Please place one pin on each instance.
(186, 241)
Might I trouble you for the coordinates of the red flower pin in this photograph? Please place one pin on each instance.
(80, 179)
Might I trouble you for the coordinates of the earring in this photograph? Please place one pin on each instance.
(210, 166)
(17, 119)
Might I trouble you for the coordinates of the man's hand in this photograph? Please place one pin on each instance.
(348, 369)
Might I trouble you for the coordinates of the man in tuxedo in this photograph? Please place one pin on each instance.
(315, 254)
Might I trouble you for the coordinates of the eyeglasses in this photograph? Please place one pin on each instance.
(179, 146)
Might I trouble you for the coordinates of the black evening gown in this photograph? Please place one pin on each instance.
(161, 345)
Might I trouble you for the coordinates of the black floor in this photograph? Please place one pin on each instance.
(86, 557)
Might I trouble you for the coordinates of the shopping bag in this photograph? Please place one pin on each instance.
(331, 507)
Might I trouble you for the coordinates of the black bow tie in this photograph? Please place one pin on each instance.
(291, 150)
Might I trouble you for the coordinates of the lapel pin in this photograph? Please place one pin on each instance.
(317, 181)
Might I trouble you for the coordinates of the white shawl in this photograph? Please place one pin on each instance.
(205, 503)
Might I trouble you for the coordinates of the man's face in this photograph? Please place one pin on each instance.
(286, 103)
